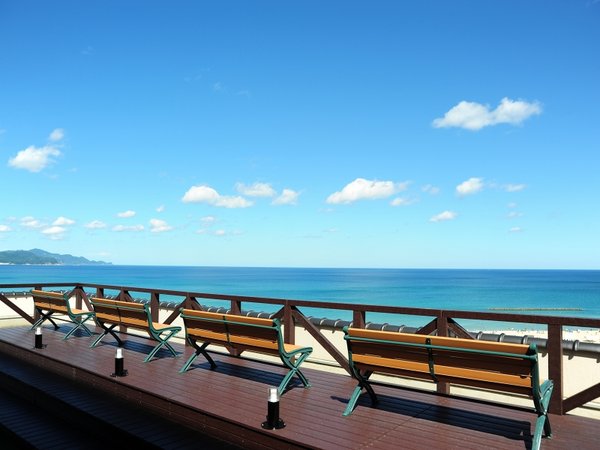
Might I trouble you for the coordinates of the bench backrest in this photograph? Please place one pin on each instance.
(130, 314)
(231, 329)
(511, 367)
(51, 301)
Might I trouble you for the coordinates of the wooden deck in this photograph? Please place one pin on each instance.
(231, 402)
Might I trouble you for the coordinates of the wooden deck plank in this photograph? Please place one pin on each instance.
(232, 399)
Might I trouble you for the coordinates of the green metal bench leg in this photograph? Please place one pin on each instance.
(537, 435)
(356, 394)
(199, 350)
(153, 352)
(353, 400)
(542, 425)
(162, 341)
(80, 324)
(171, 349)
(363, 382)
(294, 370)
(107, 330)
(42, 319)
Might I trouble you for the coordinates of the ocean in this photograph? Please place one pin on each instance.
(546, 292)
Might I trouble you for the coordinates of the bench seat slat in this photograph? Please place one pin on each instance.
(253, 342)
(110, 316)
(472, 344)
(207, 335)
(514, 366)
(441, 370)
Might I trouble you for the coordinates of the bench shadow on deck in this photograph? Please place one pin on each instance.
(230, 402)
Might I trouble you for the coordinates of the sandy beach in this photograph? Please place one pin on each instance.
(581, 335)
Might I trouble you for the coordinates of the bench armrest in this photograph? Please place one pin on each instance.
(299, 350)
(546, 387)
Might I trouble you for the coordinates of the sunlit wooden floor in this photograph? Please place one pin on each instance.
(231, 402)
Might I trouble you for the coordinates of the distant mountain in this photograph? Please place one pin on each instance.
(37, 256)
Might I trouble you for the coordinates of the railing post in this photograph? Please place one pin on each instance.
(358, 319)
(36, 313)
(236, 307)
(555, 367)
(123, 296)
(289, 327)
(442, 330)
(78, 297)
(154, 306)
(442, 324)
(189, 301)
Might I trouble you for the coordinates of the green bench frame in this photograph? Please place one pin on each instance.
(242, 333)
(47, 303)
(113, 313)
(498, 366)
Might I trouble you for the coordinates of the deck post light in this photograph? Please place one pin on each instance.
(38, 338)
(273, 422)
(119, 362)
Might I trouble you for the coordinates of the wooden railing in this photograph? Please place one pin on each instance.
(442, 323)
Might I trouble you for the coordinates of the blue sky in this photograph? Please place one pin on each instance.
(323, 134)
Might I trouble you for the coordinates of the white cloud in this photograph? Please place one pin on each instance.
(159, 226)
(430, 189)
(255, 190)
(63, 221)
(474, 116)
(95, 225)
(126, 214)
(57, 135)
(514, 214)
(219, 232)
(471, 186)
(4, 228)
(402, 201)
(443, 216)
(514, 187)
(160, 209)
(287, 197)
(134, 228)
(206, 194)
(34, 159)
(55, 232)
(208, 220)
(361, 189)
(31, 222)
(515, 230)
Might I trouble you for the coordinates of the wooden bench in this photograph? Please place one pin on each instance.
(47, 303)
(112, 313)
(493, 365)
(242, 333)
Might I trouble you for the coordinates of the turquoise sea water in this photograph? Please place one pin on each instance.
(478, 290)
